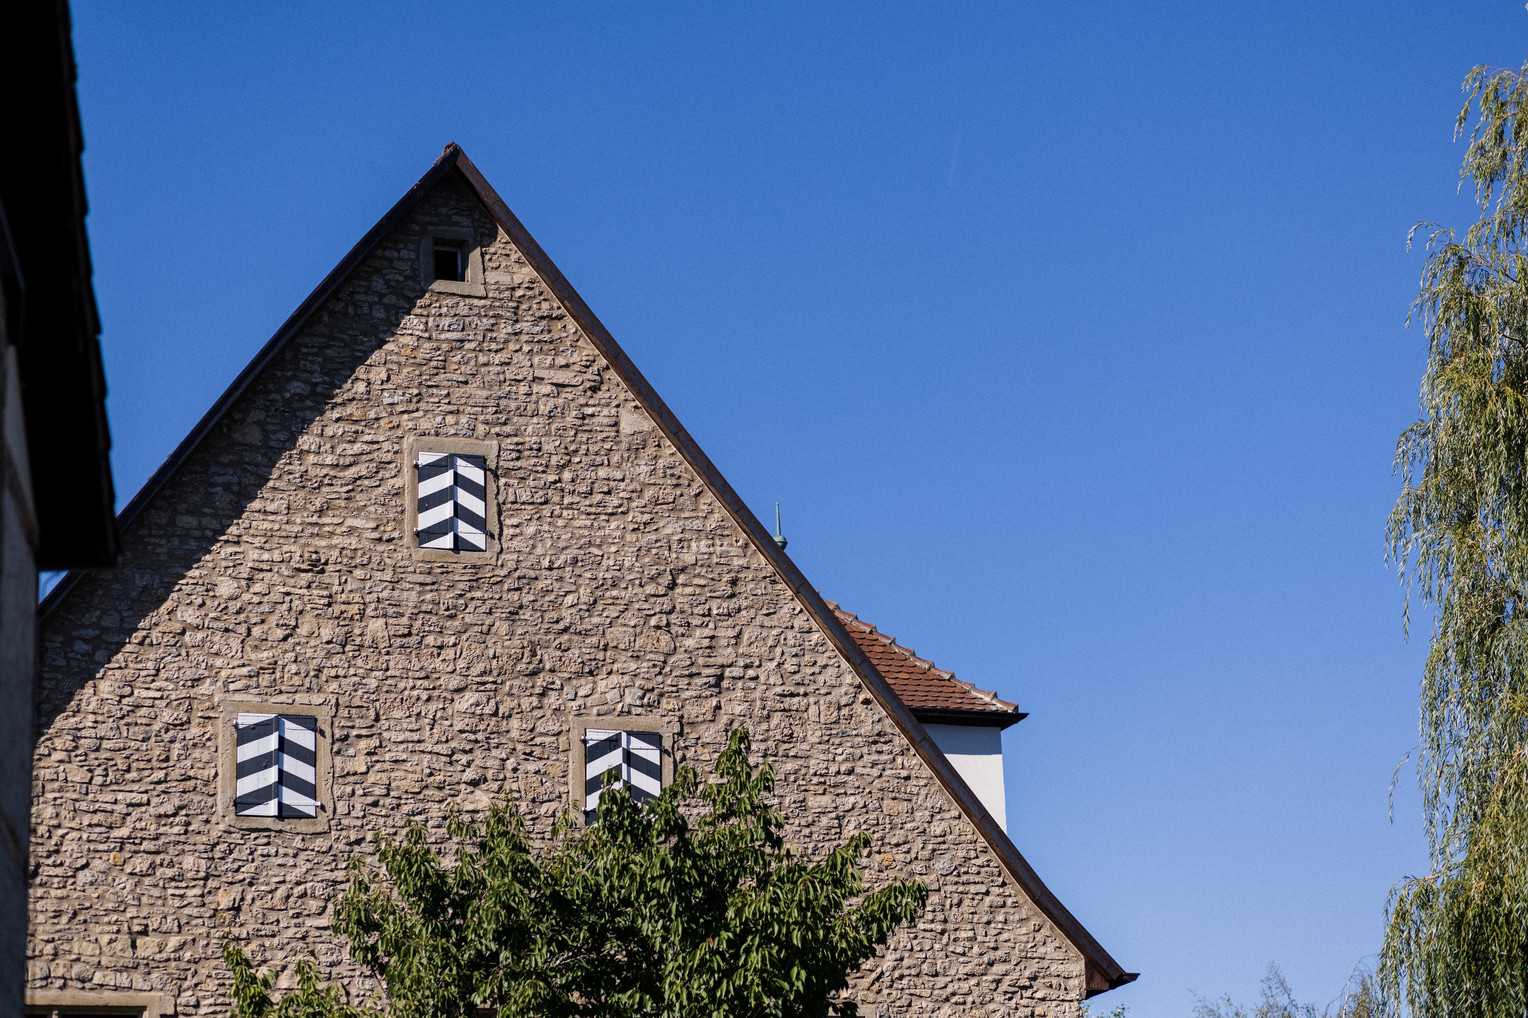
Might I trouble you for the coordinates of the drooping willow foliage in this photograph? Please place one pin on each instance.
(1457, 939)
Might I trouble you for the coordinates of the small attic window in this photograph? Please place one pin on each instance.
(634, 760)
(274, 766)
(449, 263)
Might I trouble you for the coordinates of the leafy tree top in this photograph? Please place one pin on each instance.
(692, 904)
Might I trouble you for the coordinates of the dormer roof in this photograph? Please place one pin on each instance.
(932, 693)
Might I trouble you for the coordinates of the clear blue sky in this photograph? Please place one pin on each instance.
(1070, 337)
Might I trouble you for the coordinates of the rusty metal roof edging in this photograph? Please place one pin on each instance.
(1102, 971)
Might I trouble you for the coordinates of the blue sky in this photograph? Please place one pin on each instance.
(1070, 337)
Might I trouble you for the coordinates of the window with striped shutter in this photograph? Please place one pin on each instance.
(453, 507)
(635, 758)
(277, 765)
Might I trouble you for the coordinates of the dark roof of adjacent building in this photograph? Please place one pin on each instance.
(1101, 970)
(46, 275)
(931, 693)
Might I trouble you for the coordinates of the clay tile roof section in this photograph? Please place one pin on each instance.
(927, 690)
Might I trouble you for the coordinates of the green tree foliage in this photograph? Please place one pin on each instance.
(1457, 938)
(689, 905)
(1362, 999)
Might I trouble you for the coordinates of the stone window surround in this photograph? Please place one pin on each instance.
(472, 262)
(413, 445)
(228, 764)
(578, 724)
(100, 1002)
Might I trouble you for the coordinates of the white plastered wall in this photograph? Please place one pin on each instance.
(977, 753)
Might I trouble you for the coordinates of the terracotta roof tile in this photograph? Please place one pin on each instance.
(920, 684)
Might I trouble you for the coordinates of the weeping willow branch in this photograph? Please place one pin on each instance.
(1457, 938)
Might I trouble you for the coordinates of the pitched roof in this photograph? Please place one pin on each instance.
(1102, 972)
(930, 692)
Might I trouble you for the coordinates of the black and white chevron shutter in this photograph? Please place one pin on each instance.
(636, 758)
(453, 506)
(278, 759)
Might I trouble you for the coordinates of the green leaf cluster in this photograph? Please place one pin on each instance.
(1457, 937)
(689, 905)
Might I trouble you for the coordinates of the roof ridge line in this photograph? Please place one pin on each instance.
(989, 695)
(908, 652)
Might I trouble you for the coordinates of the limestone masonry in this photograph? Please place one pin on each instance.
(272, 567)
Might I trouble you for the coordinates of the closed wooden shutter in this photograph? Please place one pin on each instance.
(277, 765)
(635, 759)
(299, 765)
(258, 791)
(453, 501)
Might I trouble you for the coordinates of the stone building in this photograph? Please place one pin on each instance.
(439, 538)
(55, 481)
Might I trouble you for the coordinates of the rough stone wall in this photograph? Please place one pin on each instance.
(274, 566)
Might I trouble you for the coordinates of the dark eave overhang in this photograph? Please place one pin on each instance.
(51, 304)
(998, 719)
(1102, 971)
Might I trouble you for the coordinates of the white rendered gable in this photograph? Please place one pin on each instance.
(976, 751)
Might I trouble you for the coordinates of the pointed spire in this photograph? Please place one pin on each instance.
(779, 537)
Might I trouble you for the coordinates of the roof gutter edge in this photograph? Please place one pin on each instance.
(968, 718)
